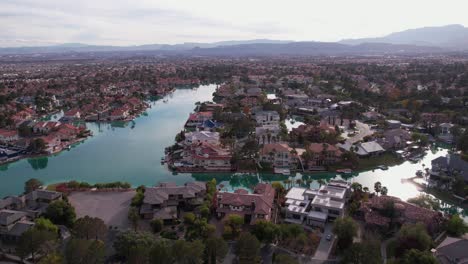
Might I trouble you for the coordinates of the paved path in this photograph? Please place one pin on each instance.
(383, 249)
(324, 248)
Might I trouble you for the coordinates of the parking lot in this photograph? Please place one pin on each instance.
(111, 207)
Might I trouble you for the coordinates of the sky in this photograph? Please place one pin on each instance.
(137, 22)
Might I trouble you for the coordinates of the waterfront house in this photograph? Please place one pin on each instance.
(373, 213)
(208, 157)
(52, 143)
(395, 139)
(364, 149)
(120, 113)
(314, 207)
(267, 118)
(72, 114)
(8, 136)
(252, 206)
(197, 119)
(201, 137)
(450, 165)
(278, 155)
(164, 200)
(319, 155)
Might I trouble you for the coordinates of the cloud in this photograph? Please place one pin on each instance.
(122, 22)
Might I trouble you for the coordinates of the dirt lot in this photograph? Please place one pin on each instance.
(111, 207)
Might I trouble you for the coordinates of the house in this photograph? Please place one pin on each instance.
(372, 212)
(208, 157)
(13, 224)
(452, 251)
(393, 124)
(445, 132)
(120, 113)
(45, 127)
(452, 164)
(201, 137)
(17, 213)
(8, 136)
(277, 154)
(210, 125)
(252, 206)
(322, 154)
(370, 148)
(395, 139)
(52, 143)
(267, 134)
(364, 149)
(314, 207)
(164, 200)
(267, 118)
(71, 115)
(197, 119)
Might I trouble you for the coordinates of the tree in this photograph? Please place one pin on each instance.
(90, 228)
(413, 237)
(161, 253)
(137, 200)
(37, 145)
(189, 218)
(127, 243)
(51, 259)
(188, 252)
(384, 191)
(215, 249)
(362, 253)
(456, 226)
(266, 231)
(61, 213)
(31, 242)
(356, 187)
(134, 217)
(235, 221)
(80, 251)
(45, 224)
(284, 259)
(31, 185)
(345, 229)
(248, 248)
(415, 256)
(377, 187)
(156, 225)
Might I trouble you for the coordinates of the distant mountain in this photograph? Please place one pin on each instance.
(78, 47)
(451, 36)
(312, 49)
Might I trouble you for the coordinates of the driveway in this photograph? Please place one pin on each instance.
(325, 246)
(111, 207)
(363, 131)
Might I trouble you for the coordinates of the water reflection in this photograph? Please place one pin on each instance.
(38, 163)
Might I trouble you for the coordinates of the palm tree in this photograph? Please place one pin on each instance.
(321, 182)
(299, 182)
(365, 189)
(308, 182)
(356, 187)
(384, 191)
(378, 187)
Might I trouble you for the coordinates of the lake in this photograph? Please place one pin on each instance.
(132, 152)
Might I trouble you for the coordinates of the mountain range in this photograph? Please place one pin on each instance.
(422, 40)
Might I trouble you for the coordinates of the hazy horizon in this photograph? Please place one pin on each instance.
(118, 23)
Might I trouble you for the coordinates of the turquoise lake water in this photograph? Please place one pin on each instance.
(132, 152)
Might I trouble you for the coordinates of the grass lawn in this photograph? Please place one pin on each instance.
(52, 187)
(387, 159)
